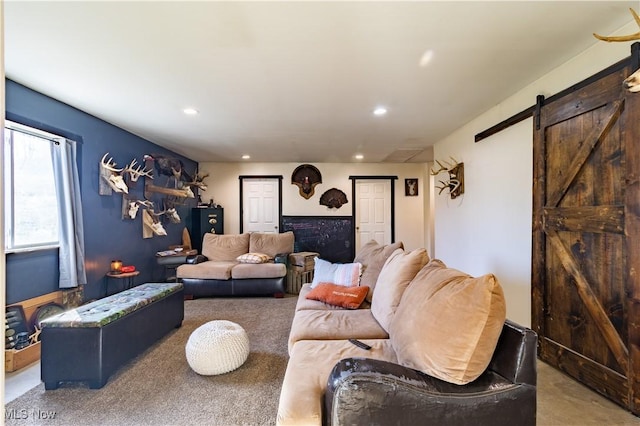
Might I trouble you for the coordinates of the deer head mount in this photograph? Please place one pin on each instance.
(151, 224)
(112, 175)
(631, 83)
(170, 210)
(454, 183)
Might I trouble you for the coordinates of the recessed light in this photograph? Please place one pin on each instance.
(379, 111)
(426, 58)
(246, 157)
(359, 156)
(190, 111)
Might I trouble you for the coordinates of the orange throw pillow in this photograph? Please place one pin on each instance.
(339, 295)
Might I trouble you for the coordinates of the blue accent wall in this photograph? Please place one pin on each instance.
(107, 235)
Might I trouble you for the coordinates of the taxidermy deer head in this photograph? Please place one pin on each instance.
(151, 225)
(170, 210)
(455, 182)
(631, 83)
(173, 215)
(133, 209)
(114, 178)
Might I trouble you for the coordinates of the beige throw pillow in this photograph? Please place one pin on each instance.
(448, 323)
(372, 256)
(254, 258)
(396, 274)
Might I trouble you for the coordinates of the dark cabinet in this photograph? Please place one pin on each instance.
(205, 220)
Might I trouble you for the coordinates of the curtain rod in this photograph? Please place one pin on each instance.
(15, 127)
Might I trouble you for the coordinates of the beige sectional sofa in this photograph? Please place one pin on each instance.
(436, 327)
(246, 264)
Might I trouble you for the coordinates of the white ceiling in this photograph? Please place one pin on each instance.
(294, 81)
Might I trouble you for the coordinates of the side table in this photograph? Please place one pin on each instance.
(172, 261)
(300, 271)
(128, 278)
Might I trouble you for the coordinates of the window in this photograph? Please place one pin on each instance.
(31, 202)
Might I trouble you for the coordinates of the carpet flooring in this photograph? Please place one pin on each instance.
(159, 388)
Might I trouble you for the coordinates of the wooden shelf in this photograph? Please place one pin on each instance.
(20, 358)
(17, 359)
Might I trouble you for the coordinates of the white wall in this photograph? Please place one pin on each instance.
(489, 229)
(224, 187)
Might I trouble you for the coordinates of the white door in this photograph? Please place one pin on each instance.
(260, 205)
(373, 211)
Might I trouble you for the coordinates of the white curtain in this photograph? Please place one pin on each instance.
(71, 231)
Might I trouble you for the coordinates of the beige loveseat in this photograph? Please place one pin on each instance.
(433, 333)
(246, 264)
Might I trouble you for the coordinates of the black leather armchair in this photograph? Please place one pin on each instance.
(366, 391)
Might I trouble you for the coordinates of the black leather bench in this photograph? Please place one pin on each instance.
(89, 343)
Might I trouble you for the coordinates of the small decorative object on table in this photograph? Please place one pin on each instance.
(116, 267)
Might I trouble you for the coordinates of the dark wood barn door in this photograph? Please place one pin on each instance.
(586, 237)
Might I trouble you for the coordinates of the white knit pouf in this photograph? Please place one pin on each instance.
(217, 347)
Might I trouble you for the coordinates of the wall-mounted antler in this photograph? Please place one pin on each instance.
(170, 210)
(630, 37)
(112, 176)
(455, 182)
(136, 171)
(109, 164)
(631, 83)
(151, 224)
(198, 181)
(169, 166)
